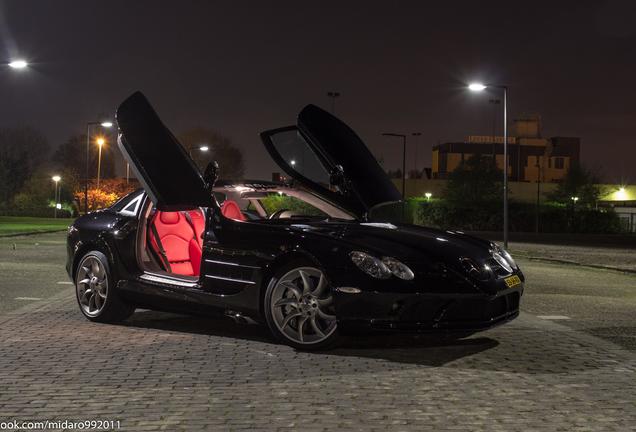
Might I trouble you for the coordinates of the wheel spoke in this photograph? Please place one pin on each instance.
(84, 299)
(84, 281)
(91, 302)
(301, 323)
(306, 282)
(325, 316)
(288, 318)
(287, 302)
(322, 283)
(324, 302)
(293, 288)
(98, 300)
(315, 327)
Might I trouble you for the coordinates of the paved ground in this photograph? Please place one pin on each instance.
(622, 258)
(167, 372)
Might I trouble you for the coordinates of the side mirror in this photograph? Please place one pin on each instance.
(211, 175)
(337, 178)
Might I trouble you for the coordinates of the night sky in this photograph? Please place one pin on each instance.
(243, 67)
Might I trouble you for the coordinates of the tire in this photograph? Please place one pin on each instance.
(95, 290)
(298, 305)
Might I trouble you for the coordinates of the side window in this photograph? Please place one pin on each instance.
(132, 208)
(299, 156)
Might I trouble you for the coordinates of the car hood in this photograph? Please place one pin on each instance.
(408, 243)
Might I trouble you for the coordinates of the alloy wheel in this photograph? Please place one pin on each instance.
(91, 285)
(301, 305)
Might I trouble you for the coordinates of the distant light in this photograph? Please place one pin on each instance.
(56, 178)
(100, 141)
(575, 198)
(621, 194)
(428, 195)
(476, 87)
(107, 124)
(58, 206)
(204, 148)
(293, 162)
(18, 64)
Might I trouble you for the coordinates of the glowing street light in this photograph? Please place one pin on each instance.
(106, 124)
(292, 162)
(18, 64)
(56, 179)
(100, 142)
(478, 87)
(575, 199)
(204, 148)
(428, 196)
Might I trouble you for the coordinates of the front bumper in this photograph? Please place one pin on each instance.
(424, 312)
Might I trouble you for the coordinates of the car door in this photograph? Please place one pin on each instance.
(325, 155)
(162, 165)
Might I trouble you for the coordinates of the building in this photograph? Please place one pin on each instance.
(531, 157)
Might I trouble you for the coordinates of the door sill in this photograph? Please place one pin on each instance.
(169, 279)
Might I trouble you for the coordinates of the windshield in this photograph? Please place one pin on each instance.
(390, 212)
(272, 203)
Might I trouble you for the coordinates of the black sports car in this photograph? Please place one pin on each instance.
(312, 259)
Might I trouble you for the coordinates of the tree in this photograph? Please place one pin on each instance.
(22, 151)
(71, 157)
(229, 158)
(578, 182)
(474, 182)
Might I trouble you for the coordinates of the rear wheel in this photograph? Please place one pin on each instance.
(95, 290)
(299, 307)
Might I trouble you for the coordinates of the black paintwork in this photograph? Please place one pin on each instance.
(441, 296)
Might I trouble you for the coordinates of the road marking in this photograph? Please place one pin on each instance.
(28, 298)
(65, 283)
(553, 317)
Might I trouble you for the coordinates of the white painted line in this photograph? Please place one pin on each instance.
(553, 317)
(28, 298)
(65, 283)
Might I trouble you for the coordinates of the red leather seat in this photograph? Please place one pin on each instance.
(231, 210)
(180, 242)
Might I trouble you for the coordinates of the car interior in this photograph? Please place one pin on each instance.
(174, 239)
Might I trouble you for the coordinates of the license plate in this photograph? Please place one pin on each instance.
(512, 281)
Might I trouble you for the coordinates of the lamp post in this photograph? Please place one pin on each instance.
(56, 179)
(100, 143)
(333, 95)
(403, 167)
(416, 135)
(104, 124)
(478, 87)
(18, 64)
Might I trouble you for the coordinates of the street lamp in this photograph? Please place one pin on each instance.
(18, 64)
(403, 169)
(574, 199)
(100, 142)
(428, 196)
(333, 95)
(292, 162)
(104, 124)
(204, 148)
(56, 179)
(416, 135)
(477, 87)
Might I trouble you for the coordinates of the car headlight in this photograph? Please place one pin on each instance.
(398, 268)
(370, 265)
(498, 253)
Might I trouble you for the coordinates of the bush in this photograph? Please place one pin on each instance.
(553, 218)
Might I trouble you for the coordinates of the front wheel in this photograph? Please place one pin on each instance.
(299, 308)
(95, 290)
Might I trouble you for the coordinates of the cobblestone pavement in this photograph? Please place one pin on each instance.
(168, 372)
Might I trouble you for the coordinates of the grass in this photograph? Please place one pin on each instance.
(10, 225)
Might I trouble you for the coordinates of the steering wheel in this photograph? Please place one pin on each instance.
(277, 213)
